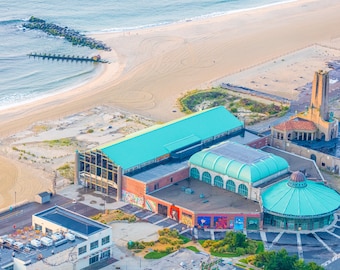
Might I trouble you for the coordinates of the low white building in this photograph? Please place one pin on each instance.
(77, 243)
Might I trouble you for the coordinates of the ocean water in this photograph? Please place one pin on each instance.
(24, 78)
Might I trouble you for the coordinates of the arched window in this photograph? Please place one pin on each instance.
(218, 181)
(206, 177)
(230, 185)
(194, 173)
(243, 190)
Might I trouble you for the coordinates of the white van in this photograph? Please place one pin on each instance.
(9, 241)
(36, 243)
(18, 245)
(46, 241)
(70, 236)
(56, 236)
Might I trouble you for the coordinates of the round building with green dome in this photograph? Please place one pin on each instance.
(299, 204)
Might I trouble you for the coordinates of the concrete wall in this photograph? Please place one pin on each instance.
(322, 160)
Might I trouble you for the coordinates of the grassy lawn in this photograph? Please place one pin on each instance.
(155, 255)
(192, 248)
(185, 239)
(60, 142)
(251, 109)
(224, 255)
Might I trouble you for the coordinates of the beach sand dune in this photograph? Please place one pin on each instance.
(151, 68)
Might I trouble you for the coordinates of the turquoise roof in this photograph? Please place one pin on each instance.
(300, 199)
(160, 140)
(239, 161)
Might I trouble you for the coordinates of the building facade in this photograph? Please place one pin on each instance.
(299, 204)
(316, 122)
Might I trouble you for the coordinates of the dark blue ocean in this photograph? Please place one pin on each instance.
(23, 78)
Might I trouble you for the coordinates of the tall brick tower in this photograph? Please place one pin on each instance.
(319, 98)
(318, 112)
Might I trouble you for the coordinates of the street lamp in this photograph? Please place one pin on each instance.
(15, 199)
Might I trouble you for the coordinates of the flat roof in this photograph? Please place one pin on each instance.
(161, 170)
(71, 220)
(245, 138)
(154, 173)
(297, 163)
(26, 256)
(161, 140)
(216, 200)
(239, 152)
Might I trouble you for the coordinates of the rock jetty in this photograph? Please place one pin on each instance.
(70, 35)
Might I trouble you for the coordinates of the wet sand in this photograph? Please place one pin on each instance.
(151, 68)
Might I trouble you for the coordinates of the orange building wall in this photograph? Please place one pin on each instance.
(183, 215)
(259, 143)
(166, 180)
(133, 191)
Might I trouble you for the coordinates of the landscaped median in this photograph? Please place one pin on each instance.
(169, 241)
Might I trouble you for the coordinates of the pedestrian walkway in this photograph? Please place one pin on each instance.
(322, 247)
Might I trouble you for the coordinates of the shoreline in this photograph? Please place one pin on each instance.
(184, 43)
(151, 68)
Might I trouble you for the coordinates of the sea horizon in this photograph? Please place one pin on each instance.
(25, 79)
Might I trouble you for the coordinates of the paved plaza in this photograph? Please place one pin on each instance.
(322, 247)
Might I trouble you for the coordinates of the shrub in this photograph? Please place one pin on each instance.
(169, 249)
(164, 240)
(240, 251)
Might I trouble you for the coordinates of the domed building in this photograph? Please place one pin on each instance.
(299, 204)
(237, 168)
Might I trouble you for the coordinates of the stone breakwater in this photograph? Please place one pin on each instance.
(70, 35)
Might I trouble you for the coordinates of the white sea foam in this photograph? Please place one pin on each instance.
(23, 78)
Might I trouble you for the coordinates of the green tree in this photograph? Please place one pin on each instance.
(281, 260)
(271, 260)
(235, 240)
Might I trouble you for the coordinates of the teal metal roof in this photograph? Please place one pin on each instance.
(300, 199)
(157, 141)
(239, 161)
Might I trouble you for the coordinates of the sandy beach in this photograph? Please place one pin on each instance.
(275, 49)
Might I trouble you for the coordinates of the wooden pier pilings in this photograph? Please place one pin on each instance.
(96, 58)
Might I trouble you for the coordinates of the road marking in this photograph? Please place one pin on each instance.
(14, 213)
(299, 245)
(173, 225)
(324, 244)
(150, 216)
(161, 220)
(264, 239)
(134, 213)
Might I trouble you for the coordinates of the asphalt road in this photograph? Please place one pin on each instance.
(21, 216)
